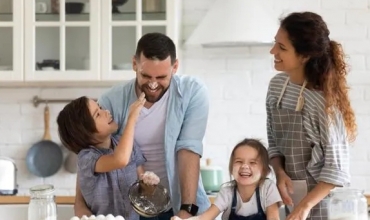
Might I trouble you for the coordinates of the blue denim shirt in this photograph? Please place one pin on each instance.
(186, 121)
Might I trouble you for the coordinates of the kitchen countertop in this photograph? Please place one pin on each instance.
(58, 199)
(71, 199)
(26, 199)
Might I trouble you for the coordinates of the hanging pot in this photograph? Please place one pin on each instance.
(212, 177)
(70, 164)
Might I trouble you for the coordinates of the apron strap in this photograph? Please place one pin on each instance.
(282, 92)
(300, 101)
(260, 210)
(233, 204)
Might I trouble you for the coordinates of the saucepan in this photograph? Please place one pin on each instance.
(212, 177)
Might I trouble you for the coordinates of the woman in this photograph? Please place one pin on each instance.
(310, 121)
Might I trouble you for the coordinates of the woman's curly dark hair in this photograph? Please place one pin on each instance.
(326, 69)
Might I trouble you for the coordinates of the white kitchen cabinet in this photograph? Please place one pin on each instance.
(120, 32)
(95, 45)
(11, 40)
(70, 41)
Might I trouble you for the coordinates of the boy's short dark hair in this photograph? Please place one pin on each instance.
(76, 127)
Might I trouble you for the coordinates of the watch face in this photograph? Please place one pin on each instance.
(190, 208)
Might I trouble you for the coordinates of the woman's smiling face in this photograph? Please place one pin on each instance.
(285, 57)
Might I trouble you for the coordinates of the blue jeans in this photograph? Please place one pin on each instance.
(163, 216)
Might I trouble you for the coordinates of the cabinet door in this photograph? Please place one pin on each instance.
(123, 23)
(62, 40)
(11, 38)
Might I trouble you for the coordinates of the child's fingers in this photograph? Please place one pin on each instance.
(141, 100)
(142, 96)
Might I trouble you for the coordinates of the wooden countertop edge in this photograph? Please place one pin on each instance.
(26, 199)
(59, 199)
(71, 199)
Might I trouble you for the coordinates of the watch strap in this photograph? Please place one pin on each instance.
(190, 208)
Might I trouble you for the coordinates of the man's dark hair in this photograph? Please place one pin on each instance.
(156, 46)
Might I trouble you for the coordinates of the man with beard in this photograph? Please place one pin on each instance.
(170, 128)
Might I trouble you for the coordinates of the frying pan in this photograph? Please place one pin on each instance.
(45, 157)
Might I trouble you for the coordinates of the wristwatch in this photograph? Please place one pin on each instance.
(190, 208)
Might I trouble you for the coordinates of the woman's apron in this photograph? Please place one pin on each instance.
(290, 137)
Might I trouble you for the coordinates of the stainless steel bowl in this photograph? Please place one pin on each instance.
(149, 205)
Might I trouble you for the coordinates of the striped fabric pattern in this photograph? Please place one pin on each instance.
(330, 147)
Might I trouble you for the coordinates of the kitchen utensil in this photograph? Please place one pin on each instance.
(74, 7)
(149, 205)
(8, 177)
(55, 6)
(48, 63)
(70, 164)
(116, 3)
(45, 157)
(211, 177)
(41, 7)
(152, 5)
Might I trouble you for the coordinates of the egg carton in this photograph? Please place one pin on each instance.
(99, 217)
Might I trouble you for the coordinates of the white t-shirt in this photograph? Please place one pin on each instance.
(149, 135)
(269, 195)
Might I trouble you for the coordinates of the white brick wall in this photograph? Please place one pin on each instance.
(21, 125)
(237, 79)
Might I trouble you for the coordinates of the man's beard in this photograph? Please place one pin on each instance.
(150, 96)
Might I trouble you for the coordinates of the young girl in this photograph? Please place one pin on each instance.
(106, 167)
(250, 196)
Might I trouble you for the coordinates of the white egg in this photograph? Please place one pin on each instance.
(92, 217)
(75, 218)
(84, 217)
(118, 217)
(110, 217)
(100, 217)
